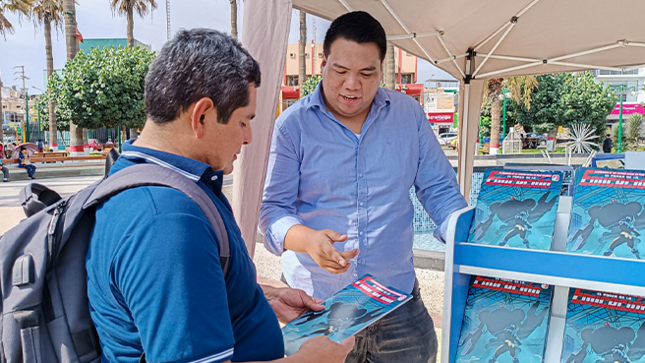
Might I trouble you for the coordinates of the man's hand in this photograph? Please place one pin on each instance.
(322, 349)
(320, 246)
(288, 303)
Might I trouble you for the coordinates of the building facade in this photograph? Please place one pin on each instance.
(627, 85)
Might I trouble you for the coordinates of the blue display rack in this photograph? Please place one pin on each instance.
(558, 268)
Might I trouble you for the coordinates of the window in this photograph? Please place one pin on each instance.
(292, 81)
(406, 79)
(606, 72)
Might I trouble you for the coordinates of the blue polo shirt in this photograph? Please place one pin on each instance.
(155, 283)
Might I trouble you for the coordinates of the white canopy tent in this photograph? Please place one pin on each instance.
(471, 40)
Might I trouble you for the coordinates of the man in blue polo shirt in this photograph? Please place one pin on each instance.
(155, 283)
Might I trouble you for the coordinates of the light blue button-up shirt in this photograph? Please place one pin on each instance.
(322, 175)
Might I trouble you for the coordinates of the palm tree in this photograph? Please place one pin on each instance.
(521, 88)
(389, 74)
(47, 12)
(233, 18)
(128, 7)
(20, 7)
(302, 74)
(69, 13)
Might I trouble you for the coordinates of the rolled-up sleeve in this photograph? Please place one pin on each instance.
(278, 211)
(435, 184)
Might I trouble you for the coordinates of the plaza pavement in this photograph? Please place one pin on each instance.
(268, 265)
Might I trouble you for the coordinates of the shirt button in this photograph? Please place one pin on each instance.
(361, 204)
(362, 233)
(214, 177)
(360, 175)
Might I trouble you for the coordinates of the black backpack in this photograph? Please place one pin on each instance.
(45, 313)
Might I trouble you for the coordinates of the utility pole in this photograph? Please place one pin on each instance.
(168, 20)
(21, 75)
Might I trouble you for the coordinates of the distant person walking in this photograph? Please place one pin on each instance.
(5, 172)
(607, 144)
(25, 162)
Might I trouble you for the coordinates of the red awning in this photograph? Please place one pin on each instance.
(410, 89)
(441, 117)
(290, 92)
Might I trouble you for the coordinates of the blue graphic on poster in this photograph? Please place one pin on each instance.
(607, 213)
(505, 321)
(604, 328)
(516, 209)
(347, 312)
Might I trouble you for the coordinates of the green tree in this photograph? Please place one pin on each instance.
(632, 128)
(586, 101)
(47, 12)
(53, 95)
(127, 8)
(564, 99)
(103, 88)
(20, 7)
(310, 85)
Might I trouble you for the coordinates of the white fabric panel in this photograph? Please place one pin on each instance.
(468, 130)
(265, 35)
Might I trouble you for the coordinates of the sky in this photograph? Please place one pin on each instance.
(96, 20)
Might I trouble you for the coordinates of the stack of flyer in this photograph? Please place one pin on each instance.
(347, 312)
(607, 213)
(505, 321)
(604, 327)
(516, 209)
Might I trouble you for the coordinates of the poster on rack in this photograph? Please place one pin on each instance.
(607, 214)
(516, 209)
(603, 327)
(347, 312)
(505, 321)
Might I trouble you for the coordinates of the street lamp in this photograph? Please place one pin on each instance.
(622, 91)
(504, 95)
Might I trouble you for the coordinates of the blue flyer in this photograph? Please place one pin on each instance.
(516, 209)
(347, 312)
(607, 213)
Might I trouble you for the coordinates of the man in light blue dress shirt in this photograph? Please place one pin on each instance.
(336, 201)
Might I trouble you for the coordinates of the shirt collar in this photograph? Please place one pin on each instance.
(190, 168)
(316, 98)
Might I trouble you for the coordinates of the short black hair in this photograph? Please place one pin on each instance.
(357, 26)
(199, 63)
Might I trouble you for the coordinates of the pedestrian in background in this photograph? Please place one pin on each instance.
(607, 144)
(5, 172)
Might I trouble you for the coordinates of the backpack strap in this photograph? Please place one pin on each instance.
(36, 197)
(141, 175)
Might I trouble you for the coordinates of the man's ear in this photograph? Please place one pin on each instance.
(200, 111)
(323, 63)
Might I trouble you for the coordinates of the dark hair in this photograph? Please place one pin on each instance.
(357, 26)
(199, 63)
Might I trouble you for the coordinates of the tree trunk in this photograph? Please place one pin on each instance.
(234, 18)
(494, 91)
(69, 11)
(302, 74)
(131, 27)
(53, 126)
(389, 75)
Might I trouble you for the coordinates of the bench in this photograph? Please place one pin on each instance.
(54, 159)
(53, 154)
